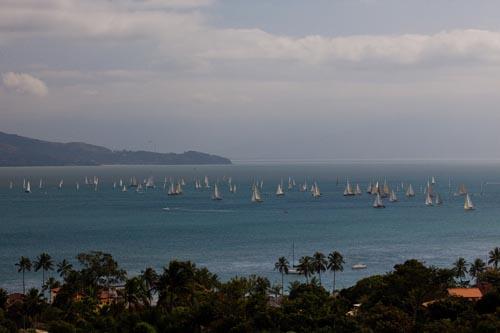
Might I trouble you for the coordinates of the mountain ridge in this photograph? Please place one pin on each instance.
(16, 150)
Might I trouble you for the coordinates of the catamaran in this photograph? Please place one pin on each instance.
(468, 205)
(216, 195)
(410, 192)
(377, 203)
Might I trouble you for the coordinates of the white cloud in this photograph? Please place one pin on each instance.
(179, 31)
(25, 84)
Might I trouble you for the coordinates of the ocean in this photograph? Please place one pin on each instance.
(235, 237)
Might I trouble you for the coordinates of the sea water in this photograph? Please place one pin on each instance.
(235, 237)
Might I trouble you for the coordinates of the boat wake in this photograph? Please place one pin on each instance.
(180, 209)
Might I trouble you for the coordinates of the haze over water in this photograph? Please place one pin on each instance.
(236, 237)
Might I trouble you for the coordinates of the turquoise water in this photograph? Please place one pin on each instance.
(235, 237)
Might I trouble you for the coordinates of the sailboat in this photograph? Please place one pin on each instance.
(438, 201)
(461, 190)
(377, 203)
(124, 188)
(61, 184)
(24, 183)
(290, 183)
(40, 184)
(304, 186)
(393, 197)
(133, 182)
(358, 191)
(279, 191)
(150, 183)
(386, 190)
(11, 185)
(410, 192)
(428, 199)
(433, 180)
(139, 188)
(256, 197)
(369, 188)
(316, 192)
(293, 269)
(77, 186)
(28, 188)
(348, 191)
(468, 205)
(216, 195)
(207, 183)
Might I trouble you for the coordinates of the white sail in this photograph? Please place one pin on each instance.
(171, 190)
(207, 183)
(28, 188)
(409, 191)
(290, 184)
(121, 183)
(124, 188)
(279, 191)
(438, 200)
(377, 203)
(316, 193)
(77, 186)
(358, 190)
(433, 180)
(234, 188)
(256, 197)
(216, 195)
(348, 191)
(393, 197)
(61, 183)
(428, 199)
(150, 183)
(40, 185)
(369, 188)
(11, 185)
(468, 205)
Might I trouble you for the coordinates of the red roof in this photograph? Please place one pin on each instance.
(472, 293)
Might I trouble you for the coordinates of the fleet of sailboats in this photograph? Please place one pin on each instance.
(175, 187)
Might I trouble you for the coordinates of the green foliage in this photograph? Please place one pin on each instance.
(61, 327)
(192, 299)
(144, 327)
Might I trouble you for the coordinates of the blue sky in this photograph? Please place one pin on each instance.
(256, 79)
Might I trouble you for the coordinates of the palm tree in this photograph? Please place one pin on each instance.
(305, 267)
(63, 268)
(494, 257)
(282, 265)
(335, 264)
(135, 292)
(175, 282)
(23, 265)
(319, 264)
(150, 279)
(45, 263)
(476, 268)
(460, 268)
(50, 284)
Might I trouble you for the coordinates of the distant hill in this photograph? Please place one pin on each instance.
(17, 150)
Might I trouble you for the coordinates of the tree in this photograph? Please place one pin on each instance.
(23, 265)
(476, 268)
(175, 283)
(282, 265)
(45, 263)
(135, 292)
(150, 278)
(494, 257)
(50, 284)
(319, 264)
(335, 264)
(460, 268)
(305, 267)
(64, 268)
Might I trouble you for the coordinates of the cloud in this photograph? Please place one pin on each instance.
(25, 84)
(179, 33)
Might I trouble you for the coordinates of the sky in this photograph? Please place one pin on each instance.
(256, 80)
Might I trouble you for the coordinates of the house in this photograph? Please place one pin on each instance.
(472, 294)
